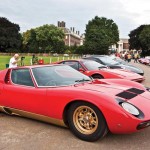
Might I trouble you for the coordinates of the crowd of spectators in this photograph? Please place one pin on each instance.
(129, 55)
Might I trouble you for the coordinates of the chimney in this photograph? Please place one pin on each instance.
(73, 29)
(58, 23)
(64, 24)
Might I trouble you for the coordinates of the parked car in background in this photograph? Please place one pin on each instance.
(61, 95)
(99, 71)
(66, 55)
(145, 61)
(113, 64)
(55, 54)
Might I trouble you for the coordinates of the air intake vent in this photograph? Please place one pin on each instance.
(7, 77)
(130, 93)
(137, 91)
(126, 95)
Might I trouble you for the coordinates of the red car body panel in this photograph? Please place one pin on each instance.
(52, 101)
(107, 73)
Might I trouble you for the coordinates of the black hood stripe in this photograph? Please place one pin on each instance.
(137, 91)
(130, 93)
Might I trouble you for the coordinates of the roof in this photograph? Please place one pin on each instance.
(36, 66)
(124, 40)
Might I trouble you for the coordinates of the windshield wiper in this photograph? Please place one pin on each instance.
(82, 80)
(102, 67)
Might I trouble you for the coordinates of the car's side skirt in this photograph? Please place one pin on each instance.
(12, 111)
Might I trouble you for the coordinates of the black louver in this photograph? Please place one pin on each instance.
(130, 93)
(137, 91)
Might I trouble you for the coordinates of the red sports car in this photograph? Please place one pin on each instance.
(61, 95)
(145, 61)
(99, 71)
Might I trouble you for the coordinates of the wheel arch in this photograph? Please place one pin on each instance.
(75, 101)
(94, 74)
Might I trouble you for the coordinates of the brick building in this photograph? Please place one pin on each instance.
(72, 37)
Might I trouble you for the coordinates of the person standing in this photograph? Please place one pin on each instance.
(129, 57)
(135, 57)
(22, 61)
(13, 61)
(34, 60)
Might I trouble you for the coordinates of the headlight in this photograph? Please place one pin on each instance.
(130, 108)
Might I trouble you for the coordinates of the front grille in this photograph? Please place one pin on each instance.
(143, 125)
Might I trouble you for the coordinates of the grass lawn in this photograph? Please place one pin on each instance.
(5, 60)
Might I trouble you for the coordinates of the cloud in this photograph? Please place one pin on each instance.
(76, 13)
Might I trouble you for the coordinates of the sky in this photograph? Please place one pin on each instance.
(127, 14)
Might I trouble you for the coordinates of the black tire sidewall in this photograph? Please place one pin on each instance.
(102, 126)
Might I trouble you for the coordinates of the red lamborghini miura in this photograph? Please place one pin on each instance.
(99, 71)
(61, 95)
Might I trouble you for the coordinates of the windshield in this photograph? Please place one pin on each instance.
(58, 76)
(108, 61)
(119, 60)
(92, 65)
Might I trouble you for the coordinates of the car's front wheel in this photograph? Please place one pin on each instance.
(86, 121)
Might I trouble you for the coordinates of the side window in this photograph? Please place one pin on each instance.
(73, 64)
(21, 77)
(95, 59)
(80, 67)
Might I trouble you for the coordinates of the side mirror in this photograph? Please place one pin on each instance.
(81, 70)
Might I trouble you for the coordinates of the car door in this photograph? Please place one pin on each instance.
(22, 94)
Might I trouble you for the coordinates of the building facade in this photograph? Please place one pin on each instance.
(122, 45)
(72, 37)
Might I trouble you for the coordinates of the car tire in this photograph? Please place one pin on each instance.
(86, 121)
(97, 76)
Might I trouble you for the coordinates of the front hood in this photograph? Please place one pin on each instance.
(121, 72)
(132, 68)
(122, 91)
(103, 88)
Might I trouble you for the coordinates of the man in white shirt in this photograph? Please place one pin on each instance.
(13, 61)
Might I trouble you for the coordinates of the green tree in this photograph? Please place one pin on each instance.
(50, 38)
(46, 38)
(134, 40)
(144, 38)
(80, 50)
(100, 34)
(10, 38)
(140, 39)
(30, 44)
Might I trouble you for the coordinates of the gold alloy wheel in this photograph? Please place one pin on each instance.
(85, 120)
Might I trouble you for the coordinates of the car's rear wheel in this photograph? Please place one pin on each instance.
(97, 76)
(86, 121)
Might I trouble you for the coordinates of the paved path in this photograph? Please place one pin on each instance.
(18, 133)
